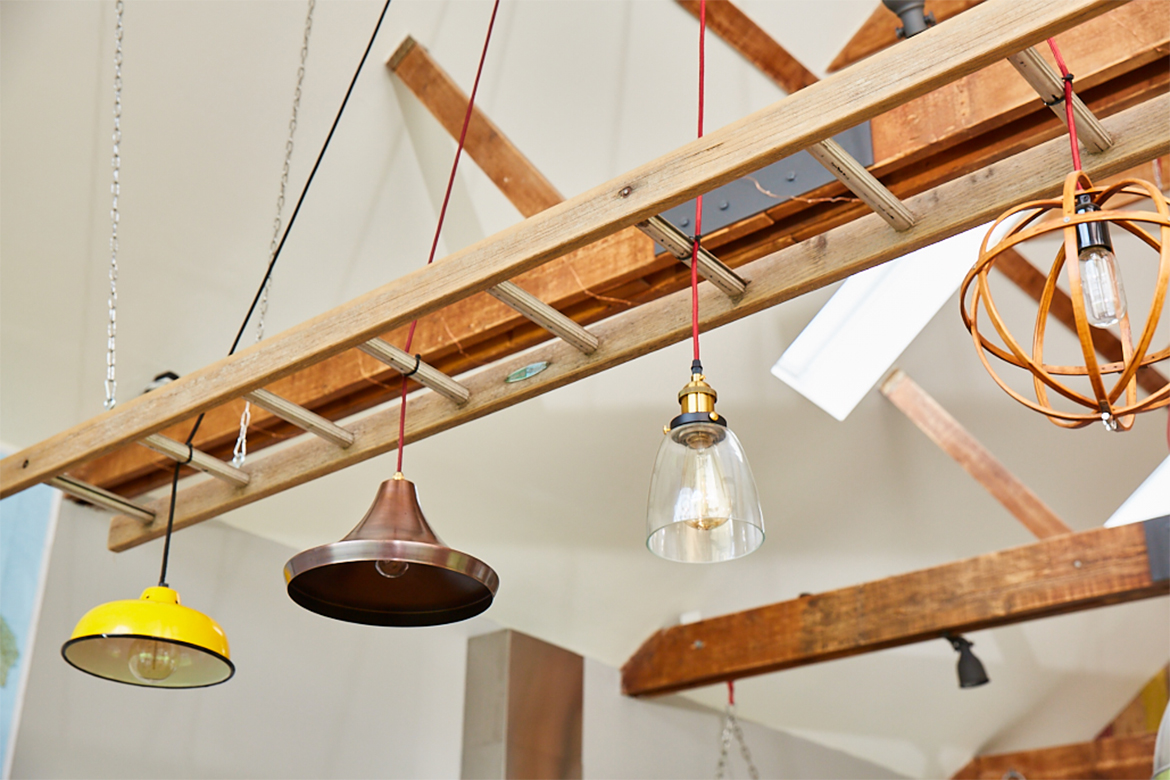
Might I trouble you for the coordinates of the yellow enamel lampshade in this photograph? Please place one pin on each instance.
(152, 641)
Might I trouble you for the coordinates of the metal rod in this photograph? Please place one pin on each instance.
(850, 172)
(104, 498)
(544, 315)
(196, 458)
(678, 244)
(423, 373)
(1050, 87)
(301, 417)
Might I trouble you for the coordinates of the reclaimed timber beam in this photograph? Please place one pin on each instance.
(512, 173)
(1054, 576)
(596, 282)
(520, 181)
(726, 20)
(780, 276)
(1144, 712)
(984, 35)
(1119, 758)
(879, 31)
(757, 47)
(1121, 41)
(956, 441)
(1031, 280)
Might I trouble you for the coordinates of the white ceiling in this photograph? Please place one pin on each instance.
(551, 492)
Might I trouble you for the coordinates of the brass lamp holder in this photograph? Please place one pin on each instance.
(697, 401)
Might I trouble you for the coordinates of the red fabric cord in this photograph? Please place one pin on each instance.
(731, 693)
(443, 214)
(1068, 105)
(698, 200)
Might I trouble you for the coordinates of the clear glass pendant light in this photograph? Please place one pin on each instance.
(703, 505)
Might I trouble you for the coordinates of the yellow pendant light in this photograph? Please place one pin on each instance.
(153, 641)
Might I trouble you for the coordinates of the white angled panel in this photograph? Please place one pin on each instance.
(871, 319)
(1150, 500)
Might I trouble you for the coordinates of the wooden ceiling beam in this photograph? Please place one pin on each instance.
(757, 47)
(998, 98)
(879, 31)
(1115, 757)
(953, 439)
(780, 276)
(589, 285)
(1054, 576)
(983, 36)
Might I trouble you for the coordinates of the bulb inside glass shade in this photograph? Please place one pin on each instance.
(391, 570)
(152, 661)
(1101, 286)
(703, 506)
(703, 502)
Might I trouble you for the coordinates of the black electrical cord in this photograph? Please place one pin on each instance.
(162, 577)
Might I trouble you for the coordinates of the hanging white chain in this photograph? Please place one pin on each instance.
(240, 453)
(115, 190)
(731, 729)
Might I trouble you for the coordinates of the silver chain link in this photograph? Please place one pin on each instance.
(731, 729)
(115, 190)
(240, 452)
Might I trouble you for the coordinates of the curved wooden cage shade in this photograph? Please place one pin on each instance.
(1106, 403)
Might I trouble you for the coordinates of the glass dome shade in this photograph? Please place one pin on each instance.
(703, 505)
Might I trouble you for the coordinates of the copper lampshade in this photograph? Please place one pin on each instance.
(391, 570)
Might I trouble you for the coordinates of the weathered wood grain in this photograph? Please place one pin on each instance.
(1052, 577)
(956, 441)
(783, 275)
(1114, 758)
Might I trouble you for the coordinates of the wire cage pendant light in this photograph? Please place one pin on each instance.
(391, 570)
(1097, 295)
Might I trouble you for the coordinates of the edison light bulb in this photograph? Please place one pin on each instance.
(1101, 286)
(152, 661)
(703, 502)
(392, 570)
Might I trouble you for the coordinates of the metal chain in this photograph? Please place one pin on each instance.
(115, 190)
(731, 729)
(240, 452)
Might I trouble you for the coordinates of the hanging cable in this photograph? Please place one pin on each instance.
(698, 200)
(732, 730)
(1068, 105)
(443, 215)
(240, 453)
(162, 579)
(115, 191)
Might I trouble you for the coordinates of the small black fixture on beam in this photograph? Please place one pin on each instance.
(910, 12)
(971, 671)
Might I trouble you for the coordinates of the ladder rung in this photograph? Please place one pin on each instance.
(199, 460)
(544, 315)
(96, 495)
(850, 172)
(1050, 87)
(679, 244)
(426, 375)
(301, 417)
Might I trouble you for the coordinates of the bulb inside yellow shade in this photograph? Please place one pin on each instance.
(152, 661)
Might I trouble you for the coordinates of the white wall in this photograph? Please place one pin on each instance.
(312, 697)
(673, 737)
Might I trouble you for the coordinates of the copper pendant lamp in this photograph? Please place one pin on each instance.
(391, 570)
